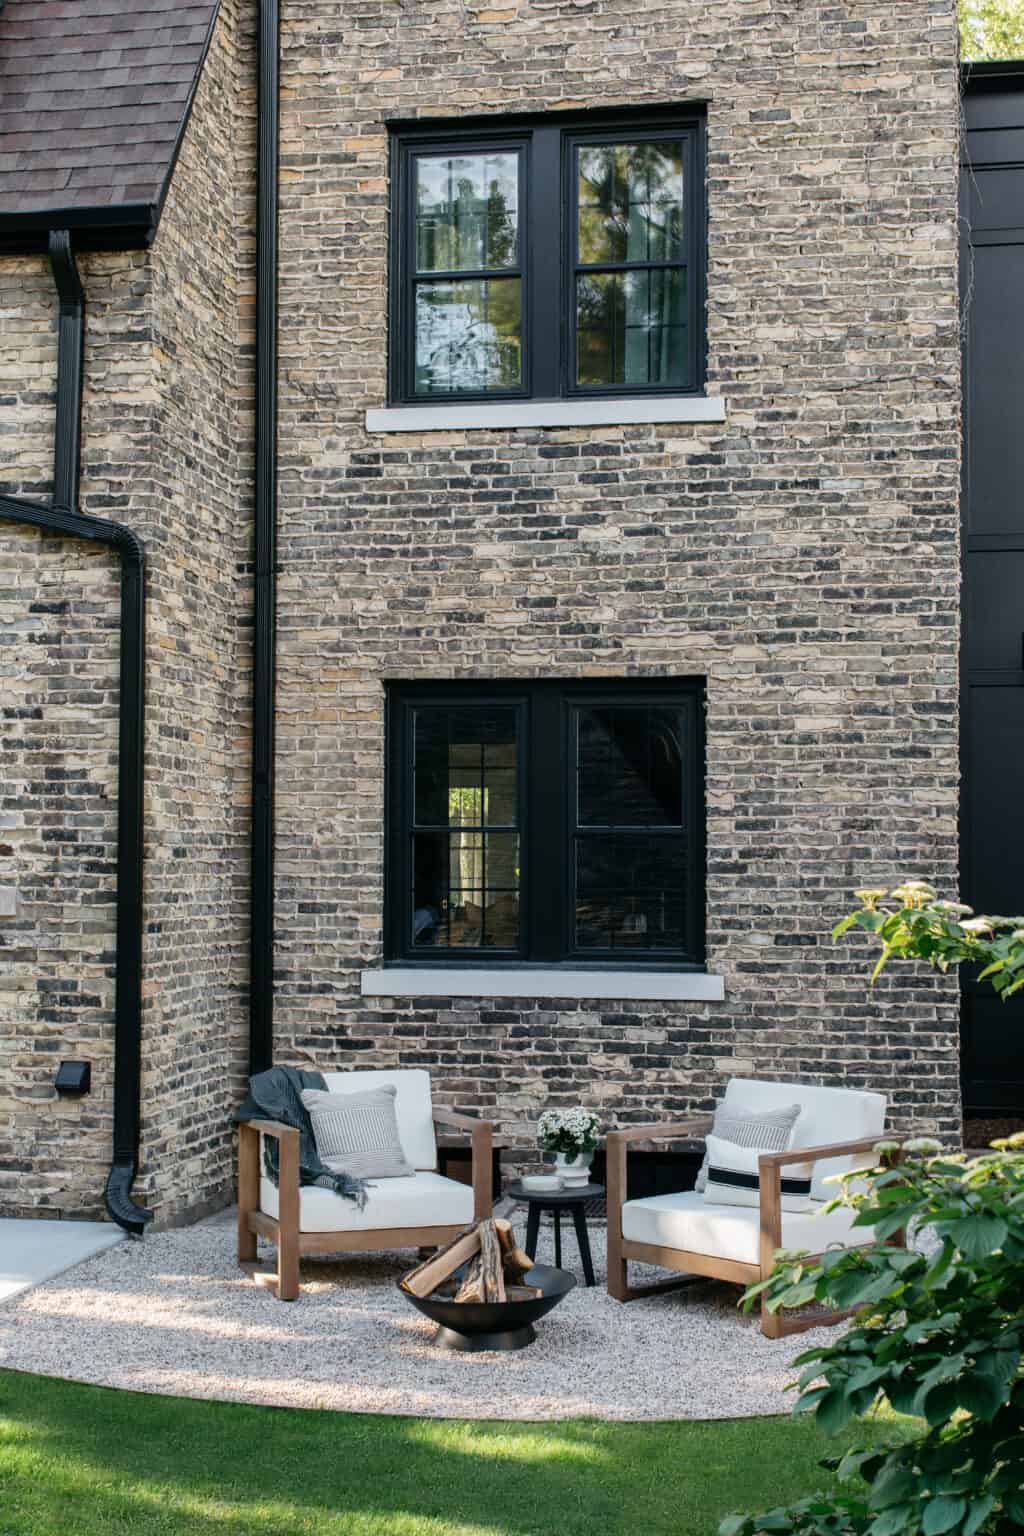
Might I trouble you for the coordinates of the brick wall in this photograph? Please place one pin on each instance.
(802, 557)
(195, 1023)
(166, 424)
(59, 614)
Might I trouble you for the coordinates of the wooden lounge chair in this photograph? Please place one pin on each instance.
(422, 1211)
(694, 1237)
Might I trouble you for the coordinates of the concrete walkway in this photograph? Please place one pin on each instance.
(33, 1251)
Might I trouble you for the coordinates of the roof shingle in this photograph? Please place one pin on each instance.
(93, 99)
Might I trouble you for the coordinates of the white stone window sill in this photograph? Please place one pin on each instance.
(546, 413)
(542, 982)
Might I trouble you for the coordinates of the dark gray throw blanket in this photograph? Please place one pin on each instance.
(277, 1095)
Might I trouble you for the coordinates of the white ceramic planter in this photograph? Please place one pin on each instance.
(573, 1169)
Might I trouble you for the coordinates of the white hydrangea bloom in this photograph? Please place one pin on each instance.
(567, 1130)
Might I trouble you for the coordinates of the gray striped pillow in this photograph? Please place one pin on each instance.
(357, 1133)
(768, 1130)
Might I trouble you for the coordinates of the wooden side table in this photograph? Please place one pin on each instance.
(556, 1201)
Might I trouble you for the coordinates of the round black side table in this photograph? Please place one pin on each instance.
(569, 1198)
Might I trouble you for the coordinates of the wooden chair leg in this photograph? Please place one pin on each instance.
(288, 1220)
(618, 1267)
(248, 1190)
(770, 1240)
(772, 1323)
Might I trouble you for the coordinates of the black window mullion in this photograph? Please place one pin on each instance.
(544, 233)
(545, 788)
(468, 275)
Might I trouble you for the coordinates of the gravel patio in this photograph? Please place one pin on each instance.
(174, 1315)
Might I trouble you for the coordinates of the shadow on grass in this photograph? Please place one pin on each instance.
(78, 1460)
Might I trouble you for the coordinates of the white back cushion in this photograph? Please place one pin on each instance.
(827, 1114)
(413, 1107)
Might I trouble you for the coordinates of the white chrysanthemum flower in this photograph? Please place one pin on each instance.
(571, 1127)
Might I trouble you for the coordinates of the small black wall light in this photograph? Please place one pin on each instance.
(74, 1078)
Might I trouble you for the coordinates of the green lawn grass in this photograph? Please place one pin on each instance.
(86, 1461)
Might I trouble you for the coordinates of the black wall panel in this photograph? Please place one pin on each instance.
(992, 666)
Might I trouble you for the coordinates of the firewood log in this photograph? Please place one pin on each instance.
(492, 1275)
(426, 1277)
(514, 1261)
(472, 1288)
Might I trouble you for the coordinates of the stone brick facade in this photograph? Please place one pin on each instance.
(166, 432)
(802, 557)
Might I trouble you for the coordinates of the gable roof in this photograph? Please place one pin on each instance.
(94, 99)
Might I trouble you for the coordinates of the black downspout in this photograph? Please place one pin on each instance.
(67, 437)
(261, 941)
(64, 518)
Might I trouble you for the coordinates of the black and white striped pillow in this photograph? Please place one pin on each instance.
(357, 1133)
(769, 1130)
(733, 1177)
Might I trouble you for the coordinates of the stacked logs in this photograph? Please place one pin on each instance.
(481, 1264)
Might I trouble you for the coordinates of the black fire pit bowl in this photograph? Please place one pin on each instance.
(480, 1325)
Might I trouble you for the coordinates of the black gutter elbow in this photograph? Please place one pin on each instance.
(117, 1198)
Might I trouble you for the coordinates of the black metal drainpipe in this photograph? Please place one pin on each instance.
(64, 518)
(261, 942)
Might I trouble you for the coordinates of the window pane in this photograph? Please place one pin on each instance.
(466, 890)
(629, 766)
(630, 202)
(468, 336)
(631, 327)
(630, 890)
(467, 211)
(465, 766)
(465, 874)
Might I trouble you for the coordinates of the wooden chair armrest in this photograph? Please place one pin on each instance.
(662, 1130)
(482, 1142)
(283, 1133)
(770, 1166)
(461, 1122)
(819, 1154)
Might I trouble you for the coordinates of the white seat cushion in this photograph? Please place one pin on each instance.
(424, 1200)
(413, 1108)
(826, 1115)
(690, 1222)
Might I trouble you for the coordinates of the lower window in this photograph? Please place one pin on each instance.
(545, 822)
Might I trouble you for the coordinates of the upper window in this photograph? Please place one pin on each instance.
(548, 260)
(545, 822)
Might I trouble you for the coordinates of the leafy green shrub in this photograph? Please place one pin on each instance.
(991, 29)
(913, 924)
(939, 1334)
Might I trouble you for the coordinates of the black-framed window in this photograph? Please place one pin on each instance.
(541, 822)
(547, 258)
